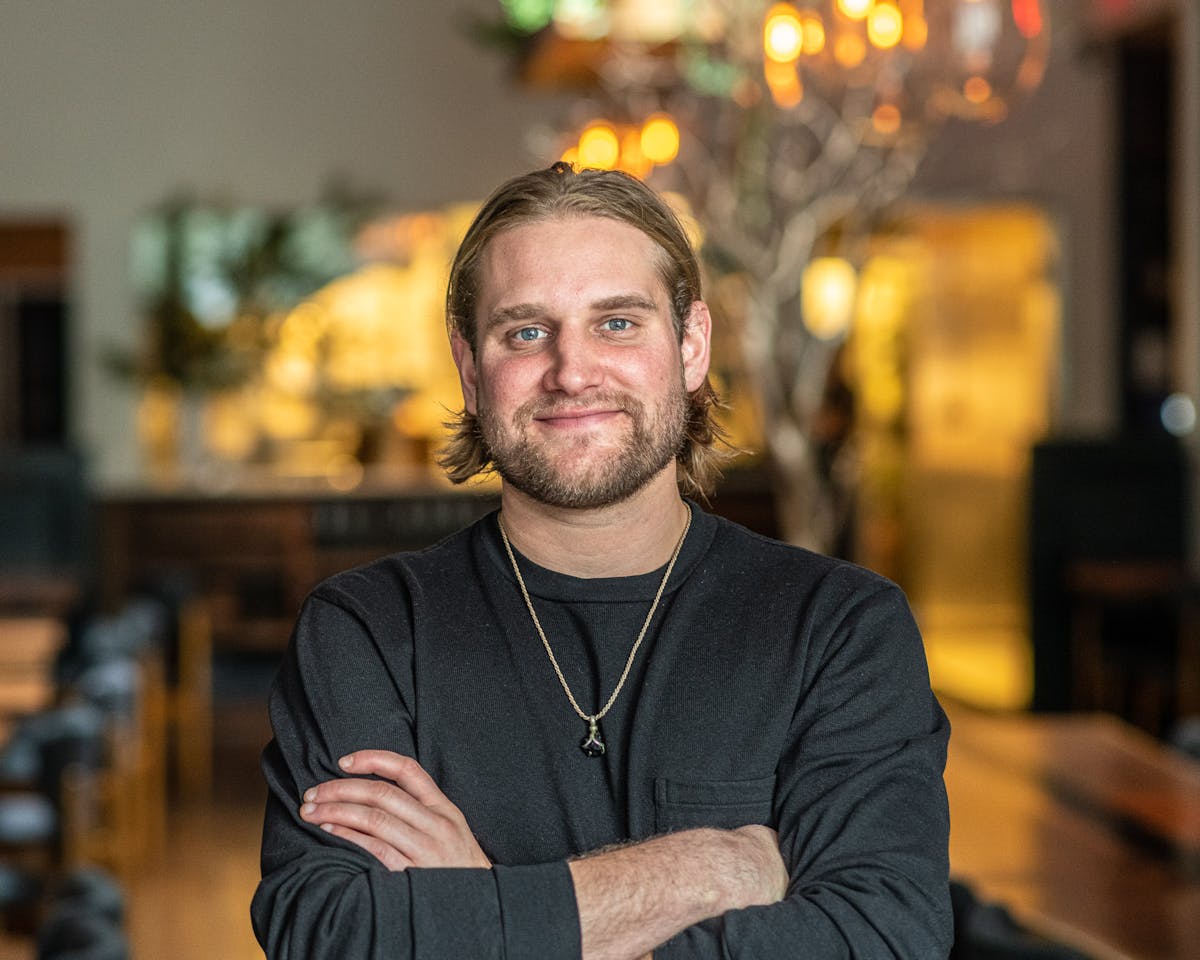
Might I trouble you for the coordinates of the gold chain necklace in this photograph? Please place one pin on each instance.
(593, 743)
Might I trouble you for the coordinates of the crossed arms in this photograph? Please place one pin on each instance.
(630, 899)
(859, 811)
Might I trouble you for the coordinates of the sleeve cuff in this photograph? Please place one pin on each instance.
(509, 913)
(538, 912)
(455, 912)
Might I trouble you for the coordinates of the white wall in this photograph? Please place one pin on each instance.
(108, 107)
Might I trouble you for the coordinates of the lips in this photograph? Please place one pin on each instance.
(577, 418)
(576, 413)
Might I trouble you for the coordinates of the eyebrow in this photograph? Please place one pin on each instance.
(530, 311)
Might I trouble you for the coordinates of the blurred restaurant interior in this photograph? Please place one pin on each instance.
(953, 250)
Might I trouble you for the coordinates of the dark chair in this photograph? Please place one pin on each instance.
(988, 931)
(81, 917)
(20, 898)
(72, 933)
(1108, 543)
(45, 531)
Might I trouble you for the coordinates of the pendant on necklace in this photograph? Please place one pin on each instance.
(593, 743)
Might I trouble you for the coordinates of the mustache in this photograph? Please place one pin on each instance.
(601, 400)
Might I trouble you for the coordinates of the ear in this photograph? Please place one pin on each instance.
(464, 359)
(695, 347)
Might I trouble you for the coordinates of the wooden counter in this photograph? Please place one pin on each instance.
(254, 551)
(1083, 826)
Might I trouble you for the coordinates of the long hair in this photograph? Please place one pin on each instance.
(557, 191)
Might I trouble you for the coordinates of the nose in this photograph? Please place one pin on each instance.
(575, 364)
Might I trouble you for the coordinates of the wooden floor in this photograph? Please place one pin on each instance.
(196, 903)
(193, 901)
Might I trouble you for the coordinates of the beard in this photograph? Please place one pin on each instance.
(567, 476)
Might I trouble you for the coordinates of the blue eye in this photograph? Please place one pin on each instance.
(617, 324)
(528, 334)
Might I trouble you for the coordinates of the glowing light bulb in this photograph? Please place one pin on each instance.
(783, 33)
(599, 146)
(855, 9)
(812, 31)
(885, 25)
(886, 119)
(784, 83)
(633, 158)
(827, 290)
(849, 50)
(1027, 15)
(916, 33)
(977, 90)
(660, 139)
(1178, 414)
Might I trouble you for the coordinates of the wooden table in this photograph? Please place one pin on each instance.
(1083, 826)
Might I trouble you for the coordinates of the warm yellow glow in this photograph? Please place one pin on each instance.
(812, 33)
(571, 155)
(599, 147)
(229, 431)
(827, 290)
(977, 90)
(660, 139)
(849, 50)
(291, 372)
(343, 472)
(633, 158)
(158, 424)
(580, 21)
(783, 34)
(855, 9)
(784, 83)
(916, 33)
(286, 417)
(886, 119)
(885, 25)
(303, 327)
(658, 22)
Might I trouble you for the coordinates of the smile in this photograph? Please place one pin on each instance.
(570, 419)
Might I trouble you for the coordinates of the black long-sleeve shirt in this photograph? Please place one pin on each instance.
(774, 686)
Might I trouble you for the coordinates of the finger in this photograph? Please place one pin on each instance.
(378, 794)
(386, 854)
(404, 771)
(410, 842)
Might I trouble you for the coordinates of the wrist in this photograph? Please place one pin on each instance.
(757, 873)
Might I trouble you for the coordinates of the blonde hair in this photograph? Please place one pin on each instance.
(557, 191)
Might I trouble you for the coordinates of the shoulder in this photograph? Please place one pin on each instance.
(755, 559)
(386, 588)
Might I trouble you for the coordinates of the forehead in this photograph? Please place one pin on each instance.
(568, 254)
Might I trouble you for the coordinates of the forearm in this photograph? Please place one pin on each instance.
(327, 907)
(632, 899)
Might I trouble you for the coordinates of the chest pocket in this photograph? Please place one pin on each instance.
(725, 804)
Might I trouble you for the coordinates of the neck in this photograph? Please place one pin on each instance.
(624, 539)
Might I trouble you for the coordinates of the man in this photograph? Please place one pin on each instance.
(601, 722)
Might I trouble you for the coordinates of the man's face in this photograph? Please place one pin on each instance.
(578, 378)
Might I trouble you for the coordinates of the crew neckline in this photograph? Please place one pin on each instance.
(549, 584)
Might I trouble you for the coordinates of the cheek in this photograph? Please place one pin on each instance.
(504, 384)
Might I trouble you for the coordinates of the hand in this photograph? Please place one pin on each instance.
(403, 820)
